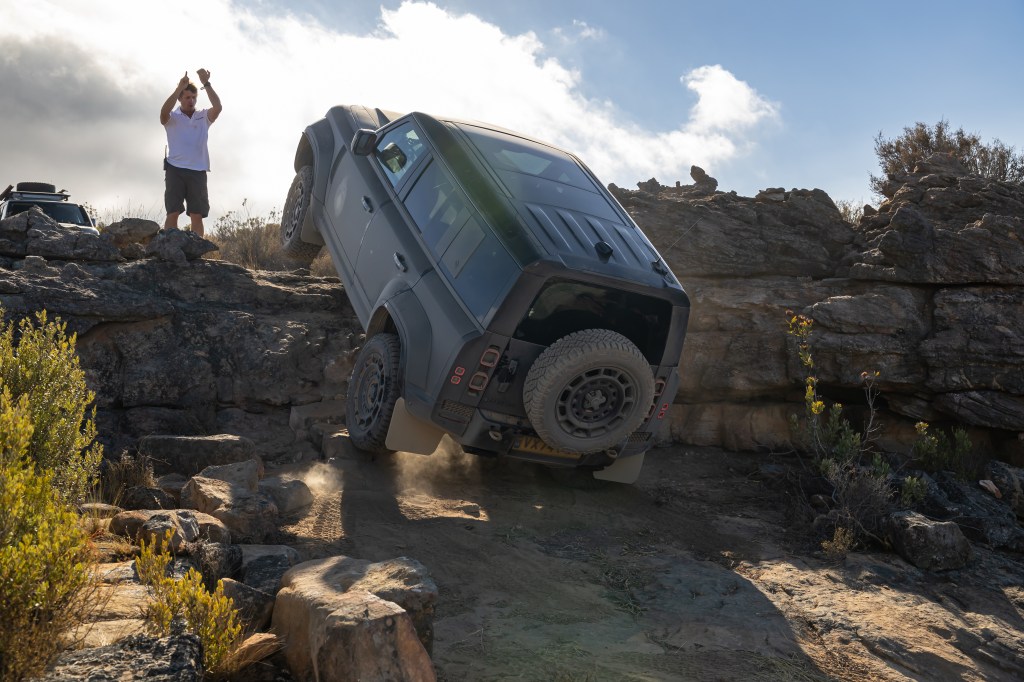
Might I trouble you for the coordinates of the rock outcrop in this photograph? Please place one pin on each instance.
(178, 658)
(927, 290)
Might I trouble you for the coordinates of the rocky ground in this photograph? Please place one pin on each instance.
(696, 572)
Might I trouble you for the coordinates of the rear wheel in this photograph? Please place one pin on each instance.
(295, 208)
(372, 392)
(588, 391)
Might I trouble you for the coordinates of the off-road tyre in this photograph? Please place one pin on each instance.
(36, 187)
(295, 208)
(588, 391)
(373, 390)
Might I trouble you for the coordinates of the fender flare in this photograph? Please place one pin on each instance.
(401, 311)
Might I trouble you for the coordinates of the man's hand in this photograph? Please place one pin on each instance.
(165, 110)
(204, 76)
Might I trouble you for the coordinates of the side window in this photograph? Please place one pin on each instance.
(398, 151)
(469, 254)
(438, 208)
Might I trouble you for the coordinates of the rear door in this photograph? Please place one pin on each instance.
(390, 257)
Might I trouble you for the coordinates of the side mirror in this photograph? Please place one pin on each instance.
(363, 142)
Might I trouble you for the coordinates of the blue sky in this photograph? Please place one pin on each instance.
(781, 94)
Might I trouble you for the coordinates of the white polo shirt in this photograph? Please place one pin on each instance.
(186, 140)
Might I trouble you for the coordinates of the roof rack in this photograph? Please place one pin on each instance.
(15, 195)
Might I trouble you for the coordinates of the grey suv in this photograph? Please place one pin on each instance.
(508, 299)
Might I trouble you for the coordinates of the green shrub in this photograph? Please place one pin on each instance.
(45, 559)
(38, 362)
(860, 492)
(913, 492)
(934, 450)
(210, 615)
(899, 155)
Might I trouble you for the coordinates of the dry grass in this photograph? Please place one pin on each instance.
(128, 471)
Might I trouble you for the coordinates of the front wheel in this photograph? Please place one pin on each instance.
(295, 208)
(588, 391)
(373, 391)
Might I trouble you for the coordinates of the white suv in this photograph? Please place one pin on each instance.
(16, 199)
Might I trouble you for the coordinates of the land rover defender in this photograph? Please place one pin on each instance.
(508, 299)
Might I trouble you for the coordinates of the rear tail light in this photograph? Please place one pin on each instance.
(490, 357)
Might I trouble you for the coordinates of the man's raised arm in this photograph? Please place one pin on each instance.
(204, 78)
(165, 110)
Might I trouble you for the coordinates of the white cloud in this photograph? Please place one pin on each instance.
(724, 102)
(588, 32)
(278, 73)
(581, 30)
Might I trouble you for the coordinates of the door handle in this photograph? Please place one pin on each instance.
(400, 262)
(367, 205)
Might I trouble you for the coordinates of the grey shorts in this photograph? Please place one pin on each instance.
(183, 186)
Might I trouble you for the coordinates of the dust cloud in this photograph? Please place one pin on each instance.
(448, 466)
(322, 478)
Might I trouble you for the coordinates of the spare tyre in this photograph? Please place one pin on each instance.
(588, 391)
(36, 187)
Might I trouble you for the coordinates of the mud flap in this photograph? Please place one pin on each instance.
(625, 470)
(411, 434)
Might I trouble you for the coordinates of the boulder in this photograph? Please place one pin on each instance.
(172, 485)
(289, 495)
(178, 658)
(143, 497)
(215, 561)
(130, 523)
(254, 606)
(251, 553)
(178, 246)
(245, 474)
(183, 528)
(249, 515)
(403, 581)
(265, 573)
(188, 455)
(348, 636)
(982, 517)
(132, 231)
(927, 544)
(1010, 482)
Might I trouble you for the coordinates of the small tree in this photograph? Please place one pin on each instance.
(45, 560)
(899, 155)
(38, 362)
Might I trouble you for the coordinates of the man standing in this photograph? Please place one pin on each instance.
(188, 158)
